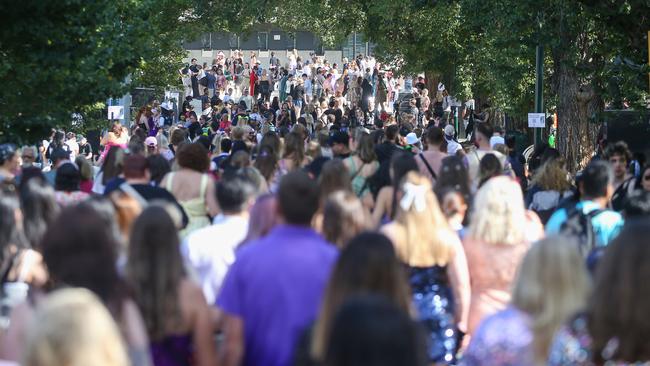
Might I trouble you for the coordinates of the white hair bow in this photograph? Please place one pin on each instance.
(414, 195)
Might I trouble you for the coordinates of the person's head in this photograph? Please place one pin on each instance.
(453, 175)
(367, 265)
(85, 169)
(552, 176)
(193, 156)
(370, 330)
(234, 193)
(72, 327)
(151, 143)
(136, 167)
(645, 178)
(401, 163)
(418, 212)
(39, 209)
(28, 154)
(80, 249)
(68, 178)
(435, 137)
(483, 132)
(392, 133)
(617, 307)
(489, 167)
(113, 163)
(158, 168)
(333, 177)
(344, 216)
(452, 203)
(596, 180)
(11, 225)
(262, 217)
(365, 148)
(552, 284)
(298, 198)
(178, 137)
(155, 269)
(127, 209)
(9, 158)
(266, 162)
(498, 215)
(619, 156)
(294, 149)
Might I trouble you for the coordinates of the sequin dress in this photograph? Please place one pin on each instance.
(434, 301)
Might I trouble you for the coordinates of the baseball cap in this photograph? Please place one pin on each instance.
(338, 137)
(449, 130)
(151, 141)
(412, 139)
(494, 140)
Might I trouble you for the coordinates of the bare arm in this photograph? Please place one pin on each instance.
(211, 199)
(383, 199)
(460, 282)
(232, 350)
(203, 328)
(135, 334)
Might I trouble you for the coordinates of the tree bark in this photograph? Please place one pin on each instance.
(576, 135)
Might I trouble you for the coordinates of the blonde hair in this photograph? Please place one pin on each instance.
(498, 214)
(422, 229)
(552, 284)
(71, 327)
(552, 177)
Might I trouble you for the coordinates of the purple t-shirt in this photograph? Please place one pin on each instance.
(275, 286)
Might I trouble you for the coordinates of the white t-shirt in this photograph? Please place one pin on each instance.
(210, 251)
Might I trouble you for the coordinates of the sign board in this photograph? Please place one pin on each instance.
(276, 37)
(116, 112)
(206, 54)
(536, 120)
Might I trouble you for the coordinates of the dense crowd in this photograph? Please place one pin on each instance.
(334, 220)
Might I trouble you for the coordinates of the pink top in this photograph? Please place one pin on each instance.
(492, 270)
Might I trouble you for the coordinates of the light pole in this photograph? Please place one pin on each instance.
(539, 89)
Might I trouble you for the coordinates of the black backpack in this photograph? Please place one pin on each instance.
(578, 225)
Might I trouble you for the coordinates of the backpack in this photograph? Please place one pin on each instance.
(578, 225)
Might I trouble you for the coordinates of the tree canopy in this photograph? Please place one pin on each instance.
(69, 56)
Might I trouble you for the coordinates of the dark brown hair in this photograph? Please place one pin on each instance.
(80, 250)
(193, 156)
(621, 298)
(155, 270)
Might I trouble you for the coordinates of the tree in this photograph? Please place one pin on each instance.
(595, 52)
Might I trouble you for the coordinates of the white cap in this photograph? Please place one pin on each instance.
(494, 140)
(412, 139)
(449, 130)
(441, 86)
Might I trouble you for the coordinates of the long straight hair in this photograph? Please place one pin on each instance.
(427, 230)
(155, 270)
(367, 265)
(552, 284)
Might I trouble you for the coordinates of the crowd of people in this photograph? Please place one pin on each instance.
(301, 232)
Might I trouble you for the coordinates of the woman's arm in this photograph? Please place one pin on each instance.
(202, 329)
(459, 277)
(383, 198)
(211, 200)
(135, 334)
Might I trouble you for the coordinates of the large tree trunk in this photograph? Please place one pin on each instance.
(576, 135)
